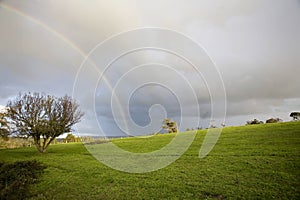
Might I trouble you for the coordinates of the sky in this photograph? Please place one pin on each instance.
(129, 64)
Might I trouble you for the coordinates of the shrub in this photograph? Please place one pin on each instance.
(15, 178)
(273, 120)
(213, 126)
(255, 121)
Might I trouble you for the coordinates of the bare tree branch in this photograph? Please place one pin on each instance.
(43, 117)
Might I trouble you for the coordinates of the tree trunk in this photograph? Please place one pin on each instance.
(41, 147)
(49, 140)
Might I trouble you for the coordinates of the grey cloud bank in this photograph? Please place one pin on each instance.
(255, 45)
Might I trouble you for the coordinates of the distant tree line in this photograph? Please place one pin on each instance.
(294, 115)
(71, 138)
(192, 129)
(171, 126)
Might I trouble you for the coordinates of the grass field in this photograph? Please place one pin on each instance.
(249, 162)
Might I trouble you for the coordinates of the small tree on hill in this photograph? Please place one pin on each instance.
(255, 121)
(170, 126)
(273, 120)
(295, 115)
(213, 126)
(42, 117)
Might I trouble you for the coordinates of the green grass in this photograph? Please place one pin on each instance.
(250, 162)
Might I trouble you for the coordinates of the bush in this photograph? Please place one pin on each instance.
(15, 178)
(273, 120)
(255, 121)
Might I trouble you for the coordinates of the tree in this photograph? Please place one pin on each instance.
(255, 121)
(273, 120)
(42, 117)
(70, 138)
(213, 126)
(4, 128)
(170, 126)
(295, 115)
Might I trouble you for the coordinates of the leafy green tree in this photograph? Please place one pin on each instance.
(42, 117)
(295, 115)
(170, 126)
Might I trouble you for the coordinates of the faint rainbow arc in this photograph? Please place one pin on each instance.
(69, 43)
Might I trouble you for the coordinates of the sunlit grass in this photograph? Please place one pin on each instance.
(250, 162)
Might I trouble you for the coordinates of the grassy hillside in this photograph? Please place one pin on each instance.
(250, 162)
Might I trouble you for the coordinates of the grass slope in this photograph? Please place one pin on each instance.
(250, 162)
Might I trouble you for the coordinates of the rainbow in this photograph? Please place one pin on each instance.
(67, 41)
